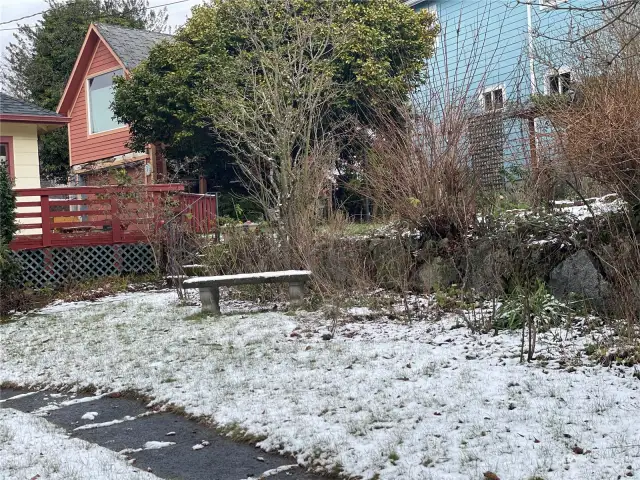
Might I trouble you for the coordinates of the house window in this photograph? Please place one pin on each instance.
(6, 155)
(100, 89)
(493, 99)
(559, 83)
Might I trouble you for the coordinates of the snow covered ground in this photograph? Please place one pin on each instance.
(31, 447)
(382, 399)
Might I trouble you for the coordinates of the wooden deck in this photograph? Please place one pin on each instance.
(89, 216)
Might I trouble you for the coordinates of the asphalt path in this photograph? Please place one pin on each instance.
(220, 458)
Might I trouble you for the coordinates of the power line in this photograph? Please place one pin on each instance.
(44, 11)
(22, 18)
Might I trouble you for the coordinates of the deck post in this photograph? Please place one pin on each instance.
(210, 299)
(116, 227)
(45, 215)
(296, 293)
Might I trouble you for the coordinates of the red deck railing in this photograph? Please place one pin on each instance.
(200, 211)
(86, 216)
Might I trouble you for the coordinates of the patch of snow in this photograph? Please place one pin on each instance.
(152, 445)
(77, 401)
(170, 434)
(44, 410)
(405, 401)
(30, 447)
(194, 281)
(89, 416)
(197, 446)
(91, 426)
(359, 311)
(272, 472)
(21, 395)
(156, 445)
(599, 206)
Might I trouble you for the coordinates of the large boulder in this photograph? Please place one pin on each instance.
(487, 268)
(581, 275)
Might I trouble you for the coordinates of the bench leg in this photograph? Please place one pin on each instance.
(296, 293)
(210, 299)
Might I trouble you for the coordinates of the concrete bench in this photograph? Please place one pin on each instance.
(210, 286)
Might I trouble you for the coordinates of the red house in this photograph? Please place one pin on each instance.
(97, 142)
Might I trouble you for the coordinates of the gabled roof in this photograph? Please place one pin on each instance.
(129, 46)
(132, 46)
(13, 109)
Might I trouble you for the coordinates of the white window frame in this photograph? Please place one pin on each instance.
(88, 101)
(550, 4)
(491, 89)
(553, 73)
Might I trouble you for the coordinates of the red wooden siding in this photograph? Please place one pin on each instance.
(84, 147)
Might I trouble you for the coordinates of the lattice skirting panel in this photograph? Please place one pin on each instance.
(54, 267)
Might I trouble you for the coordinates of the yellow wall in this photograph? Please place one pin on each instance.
(26, 165)
(25, 152)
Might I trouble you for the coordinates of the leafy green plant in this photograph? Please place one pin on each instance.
(545, 310)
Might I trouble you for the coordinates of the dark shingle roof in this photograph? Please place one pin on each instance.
(13, 106)
(130, 45)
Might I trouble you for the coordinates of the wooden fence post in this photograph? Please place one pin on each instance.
(116, 226)
(45, 215)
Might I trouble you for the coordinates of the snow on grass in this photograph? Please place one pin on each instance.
(597, 206)
(401, 401)
(30, 447)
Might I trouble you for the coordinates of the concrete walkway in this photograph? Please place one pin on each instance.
(221, 459)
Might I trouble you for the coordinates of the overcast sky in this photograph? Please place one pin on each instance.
(10, 9)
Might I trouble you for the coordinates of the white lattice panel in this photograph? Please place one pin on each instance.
(54, 267)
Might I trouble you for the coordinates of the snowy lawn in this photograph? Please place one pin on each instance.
(381, 400)
(31, 447)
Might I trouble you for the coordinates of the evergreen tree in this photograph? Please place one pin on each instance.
(8, 225)
(41, 57)
(8, 228)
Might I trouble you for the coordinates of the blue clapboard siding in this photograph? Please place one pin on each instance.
(484, 44)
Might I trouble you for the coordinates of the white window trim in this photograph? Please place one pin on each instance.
(550, 4)
(552, 72)
(88, 100)
(493, 88)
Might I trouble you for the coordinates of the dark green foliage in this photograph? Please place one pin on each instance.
(168, 98)
(8, 228)
(41, 57)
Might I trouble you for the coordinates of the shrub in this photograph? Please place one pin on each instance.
(8, 266)
(421, 175)
(545, 310)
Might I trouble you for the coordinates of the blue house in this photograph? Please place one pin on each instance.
(491, 57)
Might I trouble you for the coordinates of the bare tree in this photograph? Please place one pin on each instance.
(596, 17)
(278, 123)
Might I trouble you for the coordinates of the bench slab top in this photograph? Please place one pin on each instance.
(248, 278)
